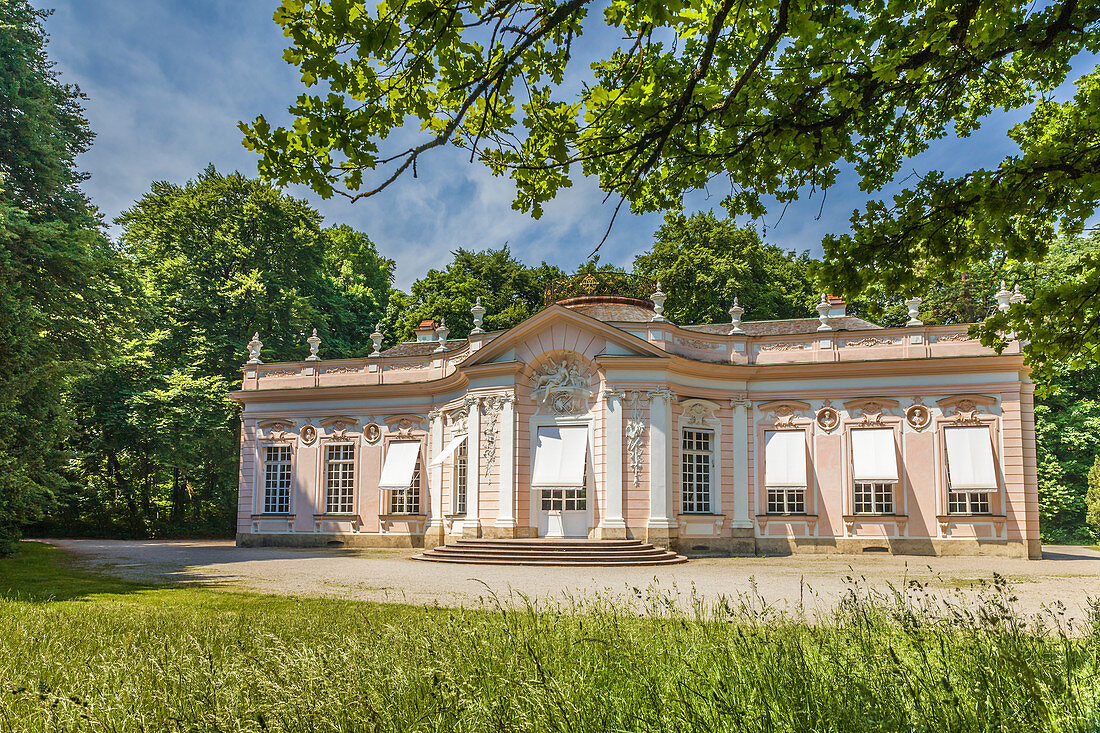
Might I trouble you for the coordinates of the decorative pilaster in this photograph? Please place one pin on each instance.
(471, 525)
(434, 499)
(613, 525)
(661, 522)
(740, 463)
(506, 514)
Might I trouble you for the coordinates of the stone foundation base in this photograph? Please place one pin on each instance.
(742, 543)
(891, 546)
(336, 541)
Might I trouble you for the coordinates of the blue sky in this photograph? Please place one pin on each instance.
(168, 80)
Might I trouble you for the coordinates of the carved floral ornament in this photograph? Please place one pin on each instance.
(699, 412)
(785, 412)
(871, 409)
(965, 409)
(562, 385)
(338, 427)
(403, 425)
(278, 429)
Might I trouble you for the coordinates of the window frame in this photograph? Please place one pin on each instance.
(409, 498)
(327, 446)
(460, 471)
(709, 453)
(875, 506)
(263, 477)
(989, 417)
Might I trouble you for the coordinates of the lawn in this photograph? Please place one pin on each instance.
(84, 652)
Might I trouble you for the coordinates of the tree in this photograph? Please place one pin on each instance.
(1092, 499)
(218, 259)
(774, 99)
(510, 292)
(702, 262)
(62, 292)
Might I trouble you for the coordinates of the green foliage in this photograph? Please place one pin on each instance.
(62, 291)
(118, 656)
(509, 290)
(1092, 498)
(703, 262)
(775, 98)
(218, 259)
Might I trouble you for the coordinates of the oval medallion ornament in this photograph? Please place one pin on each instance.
(308, 434)
(371, 433)
(918, 416)
(827, 418)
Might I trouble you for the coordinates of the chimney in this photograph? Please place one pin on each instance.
(426, 330)
(837, 307)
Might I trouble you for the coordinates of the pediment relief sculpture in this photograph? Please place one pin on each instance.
(562, 385)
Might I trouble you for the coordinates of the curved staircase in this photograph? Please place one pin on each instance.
(579, 552)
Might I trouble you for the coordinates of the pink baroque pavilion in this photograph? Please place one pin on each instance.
(599, 418)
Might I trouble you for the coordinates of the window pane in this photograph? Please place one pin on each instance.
(695, 471)
(277, 477)
(340, 479)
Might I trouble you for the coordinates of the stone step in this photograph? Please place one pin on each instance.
(561, 557)
(561, 552)
(488, 560)
(544, 543)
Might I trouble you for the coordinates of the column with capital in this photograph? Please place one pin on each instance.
(613, 525)
(506, 511)
(471, 525)
(661, 523)
(740, 463)
(434, 533)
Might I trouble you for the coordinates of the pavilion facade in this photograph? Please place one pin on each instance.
(599, 418)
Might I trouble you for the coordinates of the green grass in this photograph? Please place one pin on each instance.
(82, 652)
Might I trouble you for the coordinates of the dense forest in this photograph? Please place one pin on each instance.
(117, 355)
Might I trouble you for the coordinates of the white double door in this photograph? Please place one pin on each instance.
(563, 512)
(562, 480)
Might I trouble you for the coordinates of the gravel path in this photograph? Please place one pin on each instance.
(1070, 575)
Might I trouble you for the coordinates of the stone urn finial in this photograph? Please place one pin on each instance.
(442, 332)
(914, 312)
(1004, 297)
(478, 312)
(736, 311)
(254, 347)
(823, 314)
(376, 339)
(658, 299)
(314, 346)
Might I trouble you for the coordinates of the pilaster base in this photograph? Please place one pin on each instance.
(661, 532)
(612, 530)
(435, 535)
(471, 528)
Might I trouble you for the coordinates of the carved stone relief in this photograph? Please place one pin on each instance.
(918, 415)
(827, 417)
(308, 434)
(562, 385)
(635, 432)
